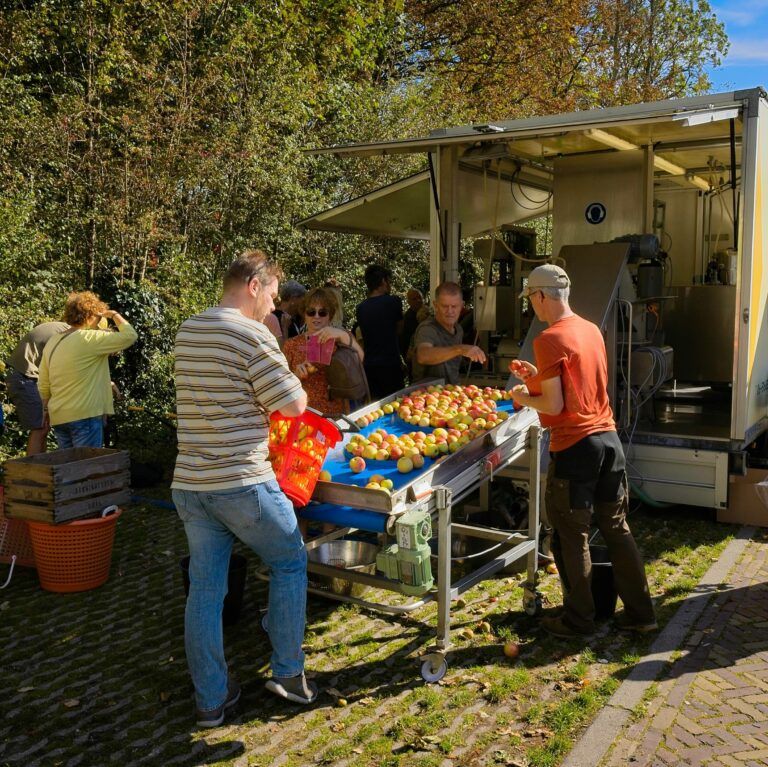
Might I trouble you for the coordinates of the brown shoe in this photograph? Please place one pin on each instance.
(557, 626)
(624, 623)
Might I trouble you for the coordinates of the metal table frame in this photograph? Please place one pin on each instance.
(497, 450)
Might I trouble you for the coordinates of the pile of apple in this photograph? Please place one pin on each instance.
(457, 414)
(443, 406)
(306, 442)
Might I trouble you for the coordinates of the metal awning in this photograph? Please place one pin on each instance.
(402, 210)
(686, 135)
(697, 110)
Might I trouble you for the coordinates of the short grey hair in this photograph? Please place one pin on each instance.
(557, 294)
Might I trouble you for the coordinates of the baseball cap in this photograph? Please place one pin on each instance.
(292, 289)
(545, 276)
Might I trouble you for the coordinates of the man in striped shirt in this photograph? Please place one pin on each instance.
(230, 376)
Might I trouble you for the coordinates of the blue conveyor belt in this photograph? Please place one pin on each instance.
(337, 463)
(345, 516)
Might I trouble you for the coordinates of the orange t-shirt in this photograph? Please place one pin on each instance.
(316, 384)
(573, 349)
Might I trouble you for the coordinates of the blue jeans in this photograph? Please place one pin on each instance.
(262, 518)
(87, 432)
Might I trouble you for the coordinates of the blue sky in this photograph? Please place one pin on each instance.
(746, 65)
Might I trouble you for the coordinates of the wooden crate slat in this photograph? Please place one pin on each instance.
(103, 484)
(57, 494)
(106, 464)
(67, 465)
(26, 491)
(17, 510)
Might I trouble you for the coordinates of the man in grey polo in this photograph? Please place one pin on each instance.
(438, 340)
(22, 382)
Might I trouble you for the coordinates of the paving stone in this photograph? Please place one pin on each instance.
(716, 704)
(664, 718)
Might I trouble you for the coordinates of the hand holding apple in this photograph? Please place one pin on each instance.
(522, 369)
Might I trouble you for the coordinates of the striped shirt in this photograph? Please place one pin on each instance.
(230, 375)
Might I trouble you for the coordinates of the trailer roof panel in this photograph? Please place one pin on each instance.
(670, 112)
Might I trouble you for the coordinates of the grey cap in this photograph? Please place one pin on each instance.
(545, 276)
(292, 289)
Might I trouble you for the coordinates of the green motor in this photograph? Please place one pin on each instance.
(407, 560)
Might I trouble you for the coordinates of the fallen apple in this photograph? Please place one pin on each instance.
(511, 649)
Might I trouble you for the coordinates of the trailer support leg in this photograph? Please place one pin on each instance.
(532, 603)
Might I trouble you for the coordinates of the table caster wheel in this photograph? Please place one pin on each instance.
(431, 673)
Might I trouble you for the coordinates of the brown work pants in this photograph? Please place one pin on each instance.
(586, 484)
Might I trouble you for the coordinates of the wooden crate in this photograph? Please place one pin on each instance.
(66, 484)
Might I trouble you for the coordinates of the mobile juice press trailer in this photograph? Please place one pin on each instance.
(658, 212)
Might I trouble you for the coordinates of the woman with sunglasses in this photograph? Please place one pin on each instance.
(319, 307)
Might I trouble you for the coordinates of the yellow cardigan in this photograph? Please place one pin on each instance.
(74, 373)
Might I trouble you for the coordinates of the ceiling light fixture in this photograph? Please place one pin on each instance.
(608, 139)
(603, 137)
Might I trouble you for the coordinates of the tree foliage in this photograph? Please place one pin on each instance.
(144, 143)
(507, 58)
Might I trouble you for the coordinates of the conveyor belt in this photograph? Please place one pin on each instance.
(345, 516)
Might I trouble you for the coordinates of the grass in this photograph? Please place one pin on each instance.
(119, 650)
(641, 709)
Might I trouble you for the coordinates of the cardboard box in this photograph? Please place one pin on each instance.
(747, 500)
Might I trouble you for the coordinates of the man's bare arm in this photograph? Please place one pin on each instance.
(427, 354)
(295, 407)
(549, 402)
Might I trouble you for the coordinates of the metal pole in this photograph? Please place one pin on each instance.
(733, 187)
(443, 506)
(534, 478)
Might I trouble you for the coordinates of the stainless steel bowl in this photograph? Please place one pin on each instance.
(357, 556)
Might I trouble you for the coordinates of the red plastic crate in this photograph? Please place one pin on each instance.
(297, 449)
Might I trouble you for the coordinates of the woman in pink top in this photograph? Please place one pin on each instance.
(319, 307)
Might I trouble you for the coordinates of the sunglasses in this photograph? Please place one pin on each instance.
(318, 312)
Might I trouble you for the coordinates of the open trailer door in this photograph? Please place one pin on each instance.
(749, 416)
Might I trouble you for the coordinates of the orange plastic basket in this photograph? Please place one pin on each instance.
(14, 540)
(75, 556)
(297, 449)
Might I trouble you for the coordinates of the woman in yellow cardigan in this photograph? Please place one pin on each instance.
(74, 378)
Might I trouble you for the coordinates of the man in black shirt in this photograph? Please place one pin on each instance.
(380, 319)
(290, 320)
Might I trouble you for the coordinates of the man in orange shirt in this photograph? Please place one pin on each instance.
(586, 476)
